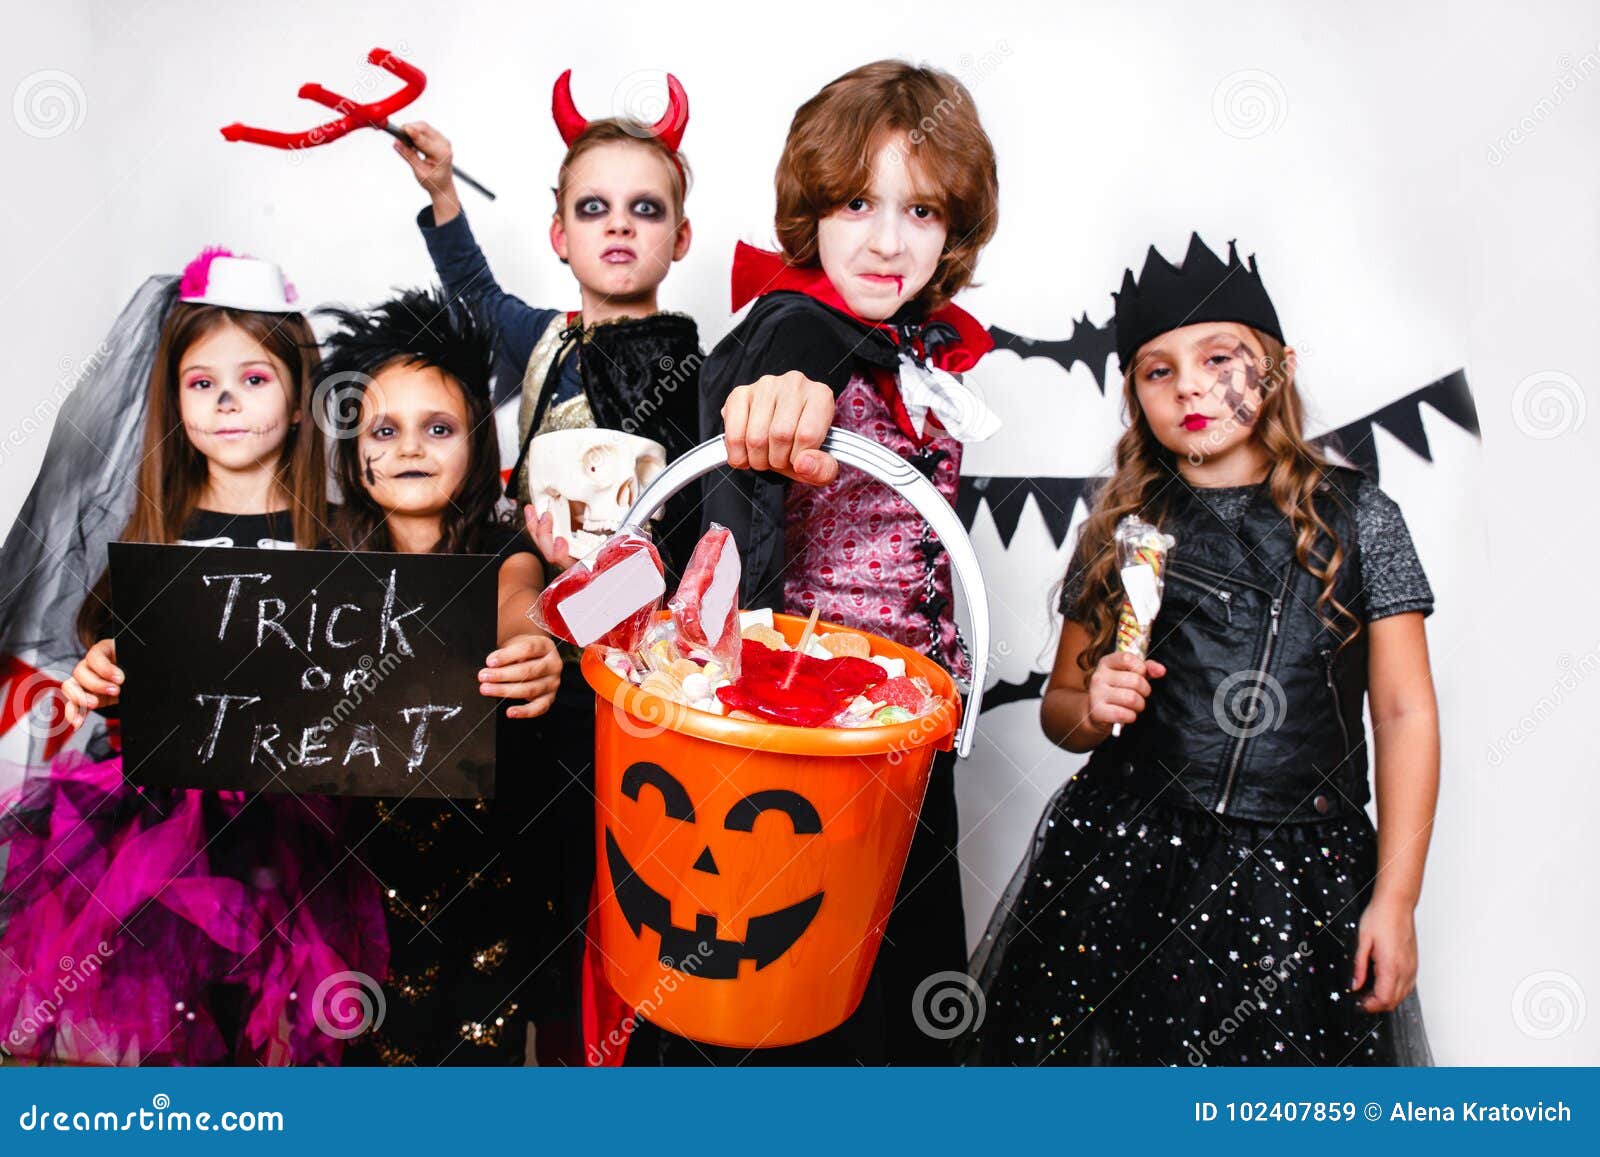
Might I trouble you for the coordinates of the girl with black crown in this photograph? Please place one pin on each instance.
(1208, 889)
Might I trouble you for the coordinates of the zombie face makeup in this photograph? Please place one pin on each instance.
(1202, 389)
(617, 228)
(414, 444)
(880, 248)
(234, 400)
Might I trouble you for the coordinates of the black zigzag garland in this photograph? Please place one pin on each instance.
(1450, 396)
(1007, 497)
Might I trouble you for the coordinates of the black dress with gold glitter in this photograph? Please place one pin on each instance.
(464, 942)
(1192, 896)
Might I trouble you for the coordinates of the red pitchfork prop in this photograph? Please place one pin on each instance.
(352, 114)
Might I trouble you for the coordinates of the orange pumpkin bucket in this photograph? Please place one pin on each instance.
(746, 869)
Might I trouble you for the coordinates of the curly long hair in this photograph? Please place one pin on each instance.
(420, 328)
(1141, 483)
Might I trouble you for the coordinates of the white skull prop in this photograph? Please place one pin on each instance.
(587, 479)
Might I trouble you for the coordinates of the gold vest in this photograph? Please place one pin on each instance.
(572, 414)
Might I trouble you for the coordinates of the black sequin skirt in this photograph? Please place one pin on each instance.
(1138, 932)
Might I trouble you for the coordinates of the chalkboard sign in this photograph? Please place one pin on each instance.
(323, 672)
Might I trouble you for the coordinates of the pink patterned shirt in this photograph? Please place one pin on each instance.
(861, 553)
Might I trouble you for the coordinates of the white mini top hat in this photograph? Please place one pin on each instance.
(217, 277)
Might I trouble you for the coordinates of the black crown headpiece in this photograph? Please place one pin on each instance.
(1203, 288)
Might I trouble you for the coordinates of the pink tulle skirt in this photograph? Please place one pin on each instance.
(176, 927)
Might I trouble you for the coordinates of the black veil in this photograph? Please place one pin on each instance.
(83, 496)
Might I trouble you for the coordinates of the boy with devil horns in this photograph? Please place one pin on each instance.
(619, 363)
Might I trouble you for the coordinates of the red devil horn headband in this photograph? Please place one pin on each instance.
(668, 130)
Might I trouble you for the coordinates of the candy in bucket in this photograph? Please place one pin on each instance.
(707, 655)
(705, 608)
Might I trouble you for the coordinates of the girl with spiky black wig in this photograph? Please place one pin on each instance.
(420, 328)
(405, 399)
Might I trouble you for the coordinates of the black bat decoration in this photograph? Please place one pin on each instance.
(1002, 692)
(1090, 344)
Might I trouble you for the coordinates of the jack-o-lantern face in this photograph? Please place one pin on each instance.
(767, 936)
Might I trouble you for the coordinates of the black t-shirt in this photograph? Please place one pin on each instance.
(501, 539)
(505, 540)
(274, 531)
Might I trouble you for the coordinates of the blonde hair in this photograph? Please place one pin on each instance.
(616, 130)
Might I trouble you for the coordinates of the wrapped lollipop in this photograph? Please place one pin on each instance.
(705, 609)
(609, 597)
(1142, 560)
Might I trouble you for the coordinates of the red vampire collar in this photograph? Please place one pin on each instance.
(761, 271)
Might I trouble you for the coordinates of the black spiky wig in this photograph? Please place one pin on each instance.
(420, 327)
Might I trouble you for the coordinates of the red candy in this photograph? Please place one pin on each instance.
(816, 693)
(899, 691)
(615, 613)
(705, 608)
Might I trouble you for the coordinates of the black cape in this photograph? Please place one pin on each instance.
(641, 377)
(783, 331)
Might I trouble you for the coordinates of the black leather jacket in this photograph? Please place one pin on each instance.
(1260, 713)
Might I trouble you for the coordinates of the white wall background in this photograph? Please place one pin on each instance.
(1422, 187)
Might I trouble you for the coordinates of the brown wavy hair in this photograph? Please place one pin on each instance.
(615, 130)
(1141, 482)
(172, 472)
(827, 161)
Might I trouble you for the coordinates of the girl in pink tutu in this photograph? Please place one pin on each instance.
(152, 925)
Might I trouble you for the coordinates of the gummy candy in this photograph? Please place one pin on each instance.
(797, 689)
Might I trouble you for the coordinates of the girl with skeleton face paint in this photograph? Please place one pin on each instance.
(174, 926)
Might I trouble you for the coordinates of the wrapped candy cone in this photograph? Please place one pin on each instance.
(1142, 560)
